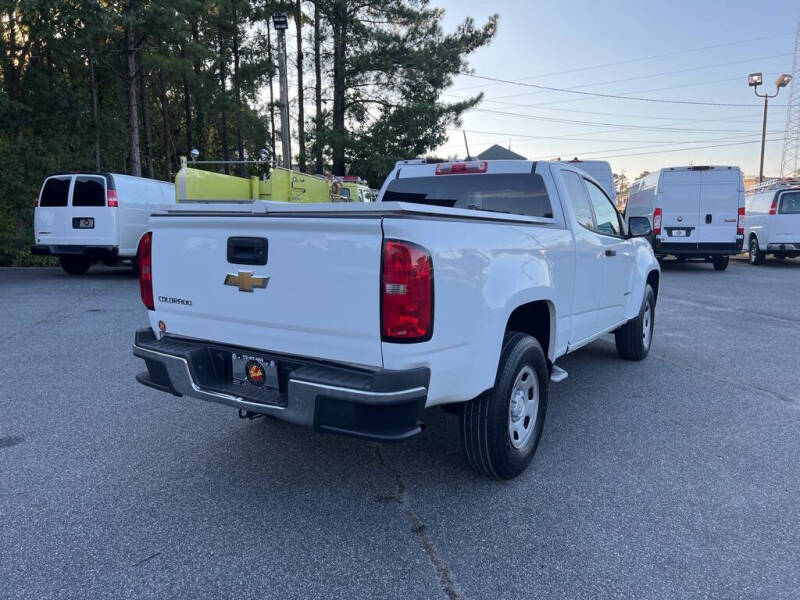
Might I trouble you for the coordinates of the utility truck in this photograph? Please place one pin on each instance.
(461, 287)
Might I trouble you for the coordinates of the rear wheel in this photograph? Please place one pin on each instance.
(74, 265)
(501, 428)
(720, 262)
(634, 338)
(756, 256)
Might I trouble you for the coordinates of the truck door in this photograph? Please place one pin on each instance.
(589, 255)
(617, 259)
(719, 206)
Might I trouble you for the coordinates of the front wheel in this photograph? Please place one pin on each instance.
(756, 256)
(634, 338)
(74, 265)
(501, 428)
(720, 262)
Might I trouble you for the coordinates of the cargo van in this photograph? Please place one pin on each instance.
(695, 212)
(87, 217)
(772, 223)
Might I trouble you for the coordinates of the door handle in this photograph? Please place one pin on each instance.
(708, 218)
(611, 252)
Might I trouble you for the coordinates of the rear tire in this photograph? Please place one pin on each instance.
(756, 255)
(74, 265)
(720, 262)
(501, 428)
(634, 339)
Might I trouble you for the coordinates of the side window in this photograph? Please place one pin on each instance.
(790, 203)
(607, 217)
(55, 192)
(89, 191)
(578, 199)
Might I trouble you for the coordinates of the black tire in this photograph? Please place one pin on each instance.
(631, 340)
(486, 421)
(756, 256)
(720, 262)
(75, 265)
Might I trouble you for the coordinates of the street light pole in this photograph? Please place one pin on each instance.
(754, 80)
(281, 23)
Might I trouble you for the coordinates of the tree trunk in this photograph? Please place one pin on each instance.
(237, 90)
(317, 88)
(95, 125)
(162, 88)
(301, 135)
(148, 140)
(339, 56)
(199, 97)
(223, 76)
(271, 96)
(187, 107)
(130, 80)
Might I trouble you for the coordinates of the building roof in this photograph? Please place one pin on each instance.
(497, 152)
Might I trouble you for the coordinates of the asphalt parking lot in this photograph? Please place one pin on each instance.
(675, 477)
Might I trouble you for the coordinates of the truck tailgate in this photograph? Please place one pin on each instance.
(316, 296)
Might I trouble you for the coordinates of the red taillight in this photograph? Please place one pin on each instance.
(146, 270)
(111, 198)
(36, 202)
(406, 293)
(657, 221)
(461, 167)
(740, 222)
(773, 210)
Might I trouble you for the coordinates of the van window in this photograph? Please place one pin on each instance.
(515, 193)
(578, 199)
(55, 192)
(790, 203)
(89, 191)
(607, 217)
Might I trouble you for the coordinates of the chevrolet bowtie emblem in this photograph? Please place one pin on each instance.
(245, 281)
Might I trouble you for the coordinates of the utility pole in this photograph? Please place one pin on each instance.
(281, 23)
(790, 162)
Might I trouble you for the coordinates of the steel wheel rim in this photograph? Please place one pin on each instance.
(523, 408)
(753, 251)
(647, 326)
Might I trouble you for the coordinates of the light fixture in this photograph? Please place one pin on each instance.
(195, 153)
(783, 80)
(755, 79)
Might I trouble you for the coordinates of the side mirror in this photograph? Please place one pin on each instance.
(639, 227)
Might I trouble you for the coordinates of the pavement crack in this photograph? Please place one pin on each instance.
(400, 497)
(144, 560)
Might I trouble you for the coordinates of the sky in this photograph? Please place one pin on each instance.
(697, 51)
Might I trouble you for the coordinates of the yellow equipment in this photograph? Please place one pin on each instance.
(283, 185)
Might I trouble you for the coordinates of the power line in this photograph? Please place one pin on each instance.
(602, 124)
(567, 138)
(691, 148)
(615, 96)
(643, 58)
(677, 72)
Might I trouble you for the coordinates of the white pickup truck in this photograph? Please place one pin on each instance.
(460, 287)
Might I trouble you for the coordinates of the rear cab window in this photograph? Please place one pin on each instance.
(55, 192)
(89, 191)
(790, 203)
(514, 193)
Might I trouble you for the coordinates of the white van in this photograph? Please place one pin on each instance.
(772, 223)
(695, 212)
(600, 170)
(87, 217)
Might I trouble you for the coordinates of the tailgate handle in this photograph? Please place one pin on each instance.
(708, 218)
(247, 250)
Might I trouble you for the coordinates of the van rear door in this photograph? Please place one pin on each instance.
(720, 190)
(680, 200)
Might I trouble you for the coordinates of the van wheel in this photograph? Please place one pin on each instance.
(720, 262)
(756, 256)
(501, 428)
(74, 265)
(633, 339)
